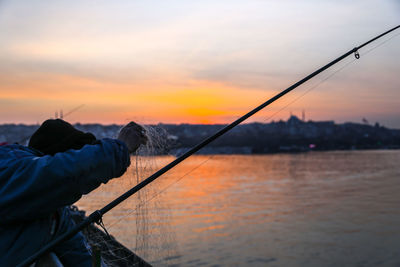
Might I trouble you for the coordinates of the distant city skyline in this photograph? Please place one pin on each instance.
(195, 62)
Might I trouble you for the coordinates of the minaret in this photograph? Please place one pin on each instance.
(303, 116)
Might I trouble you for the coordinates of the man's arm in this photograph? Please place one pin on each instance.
(38, 186)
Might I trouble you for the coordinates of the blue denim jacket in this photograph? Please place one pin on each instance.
(34, 187)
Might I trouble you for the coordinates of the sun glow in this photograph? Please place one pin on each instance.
(191, 62)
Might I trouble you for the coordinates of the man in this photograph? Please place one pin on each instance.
(37, 182)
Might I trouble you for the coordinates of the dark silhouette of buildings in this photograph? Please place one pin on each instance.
(293, 135)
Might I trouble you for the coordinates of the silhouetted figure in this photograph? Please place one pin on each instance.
(38, 182)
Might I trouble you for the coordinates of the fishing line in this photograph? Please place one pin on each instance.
(266, 119)
(73, 110)
(209, 158)
(328, 77)
(309, 90)
(97, 215)
(110, 225)
(382, 43)
(147, 200)
(162, 191)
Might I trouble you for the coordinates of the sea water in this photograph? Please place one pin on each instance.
(337, 208)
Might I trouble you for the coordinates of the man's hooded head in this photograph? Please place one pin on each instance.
(58, 136)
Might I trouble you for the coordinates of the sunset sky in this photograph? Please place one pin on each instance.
(196, 61)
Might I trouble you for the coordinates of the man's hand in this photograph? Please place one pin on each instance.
(133, 135)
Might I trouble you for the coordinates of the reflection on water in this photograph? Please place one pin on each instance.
(310, 209)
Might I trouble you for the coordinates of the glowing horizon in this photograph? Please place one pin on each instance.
(207, 62)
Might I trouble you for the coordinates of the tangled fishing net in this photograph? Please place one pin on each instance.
(141, 222)
(153, 237)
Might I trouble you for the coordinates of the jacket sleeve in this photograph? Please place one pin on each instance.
(38, 186)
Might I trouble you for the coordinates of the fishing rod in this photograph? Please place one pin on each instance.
(96, 216)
